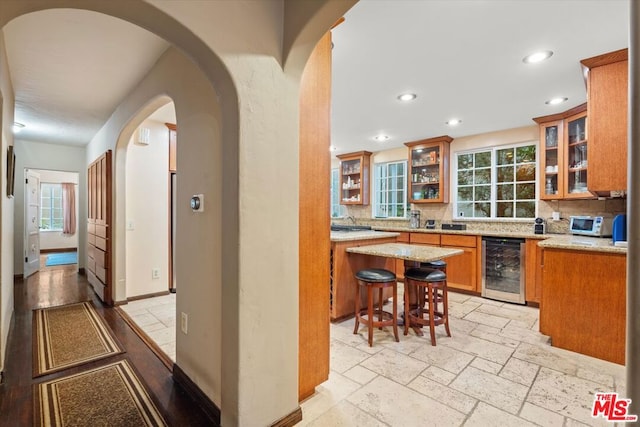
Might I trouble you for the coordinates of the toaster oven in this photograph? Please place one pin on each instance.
(595, 226)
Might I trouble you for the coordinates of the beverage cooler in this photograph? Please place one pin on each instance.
(503, 269)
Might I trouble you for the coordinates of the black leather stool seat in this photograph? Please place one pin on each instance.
(425, 275)
(437, 264)
(375, 275)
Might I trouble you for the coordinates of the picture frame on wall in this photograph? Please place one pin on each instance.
(11, 171)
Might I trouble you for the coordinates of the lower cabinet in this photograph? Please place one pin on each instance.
(462, 270)
(533, 268)
(583, 305)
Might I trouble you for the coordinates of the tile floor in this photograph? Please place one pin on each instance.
(495, 370)
(157, 318)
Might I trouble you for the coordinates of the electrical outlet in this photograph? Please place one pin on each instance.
(184, 323)
(155, 273)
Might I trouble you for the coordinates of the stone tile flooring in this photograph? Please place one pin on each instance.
(495, 370)
(157, 318)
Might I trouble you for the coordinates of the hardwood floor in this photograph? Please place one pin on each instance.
(59, 286)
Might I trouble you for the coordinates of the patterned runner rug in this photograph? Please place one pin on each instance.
(110, 395)
(69, 335)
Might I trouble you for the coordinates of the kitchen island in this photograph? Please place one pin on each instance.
(583, 307)
(343, 267)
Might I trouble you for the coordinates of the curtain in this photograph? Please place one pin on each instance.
(68, 208)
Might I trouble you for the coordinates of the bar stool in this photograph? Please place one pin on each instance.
(372, 279)
(429, 286)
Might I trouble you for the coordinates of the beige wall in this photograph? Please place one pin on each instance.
(147, 212)
(6, 204)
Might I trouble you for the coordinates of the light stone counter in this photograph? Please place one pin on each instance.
(405, 251)
(487, 232)
(581, 243)
(345, 236)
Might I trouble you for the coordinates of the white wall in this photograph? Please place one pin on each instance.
(147, 207)
(37, 155)
(56, 239)
(6, 204)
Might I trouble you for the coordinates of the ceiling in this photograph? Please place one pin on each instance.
(463, 58)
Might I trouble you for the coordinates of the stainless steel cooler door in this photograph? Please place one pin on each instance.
(503, 270)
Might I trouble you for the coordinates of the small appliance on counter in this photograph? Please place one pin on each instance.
(619, 230)
(414, 219)
(430, 224)
(594, 226)
(538, 226)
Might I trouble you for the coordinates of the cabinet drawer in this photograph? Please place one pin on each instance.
(403, 237)
(100, 257)
(101, 243)
(91, 228)
(91, 265)
(425, 239)
(101, 273)
(91, 238)
(458, 240)
(101, 230)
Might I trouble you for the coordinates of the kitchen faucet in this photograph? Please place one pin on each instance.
(353, 220)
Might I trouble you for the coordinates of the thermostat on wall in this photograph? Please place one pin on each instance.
(197, 203)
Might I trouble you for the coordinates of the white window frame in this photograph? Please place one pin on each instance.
(380, 199)
(494, 178)
(46, 189)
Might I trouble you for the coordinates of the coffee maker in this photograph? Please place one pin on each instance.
(414, 219)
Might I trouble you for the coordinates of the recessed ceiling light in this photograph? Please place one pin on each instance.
(381, 137)
(454, 122)
(17, 127)
(332, 148)
(537, 57)
(407, 97)
(556, 101)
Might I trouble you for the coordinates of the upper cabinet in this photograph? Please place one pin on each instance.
(429, 170)
(607, 93)
(563, 155)
(354, 178)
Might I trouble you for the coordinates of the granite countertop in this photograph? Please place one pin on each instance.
(406, 251)
(345, 236)
(582, 243)
(495, 233)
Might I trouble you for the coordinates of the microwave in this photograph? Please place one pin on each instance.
(595, 226)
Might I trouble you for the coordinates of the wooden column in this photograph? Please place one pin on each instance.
(314, 233)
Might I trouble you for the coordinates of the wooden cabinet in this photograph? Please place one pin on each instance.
(563, 155)
(99, 255)
(583, 306)
(344, 266)
(462, 270)
(429, 170)
(533, 271)
(354, 178)
(607, 93)
(402, 238)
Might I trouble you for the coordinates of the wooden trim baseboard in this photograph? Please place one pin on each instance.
(82, 272)
(145, 296)
(289, 420)
(201, 399)
(18, 276)
(166, 360)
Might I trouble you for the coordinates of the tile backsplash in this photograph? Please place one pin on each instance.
(444, 213)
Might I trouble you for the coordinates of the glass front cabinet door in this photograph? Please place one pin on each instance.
(429, 170)
(563, 155)
(354, 178)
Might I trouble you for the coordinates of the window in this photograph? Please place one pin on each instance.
(390, 190)
(50, 207)
(335, 194)
(496, 183)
